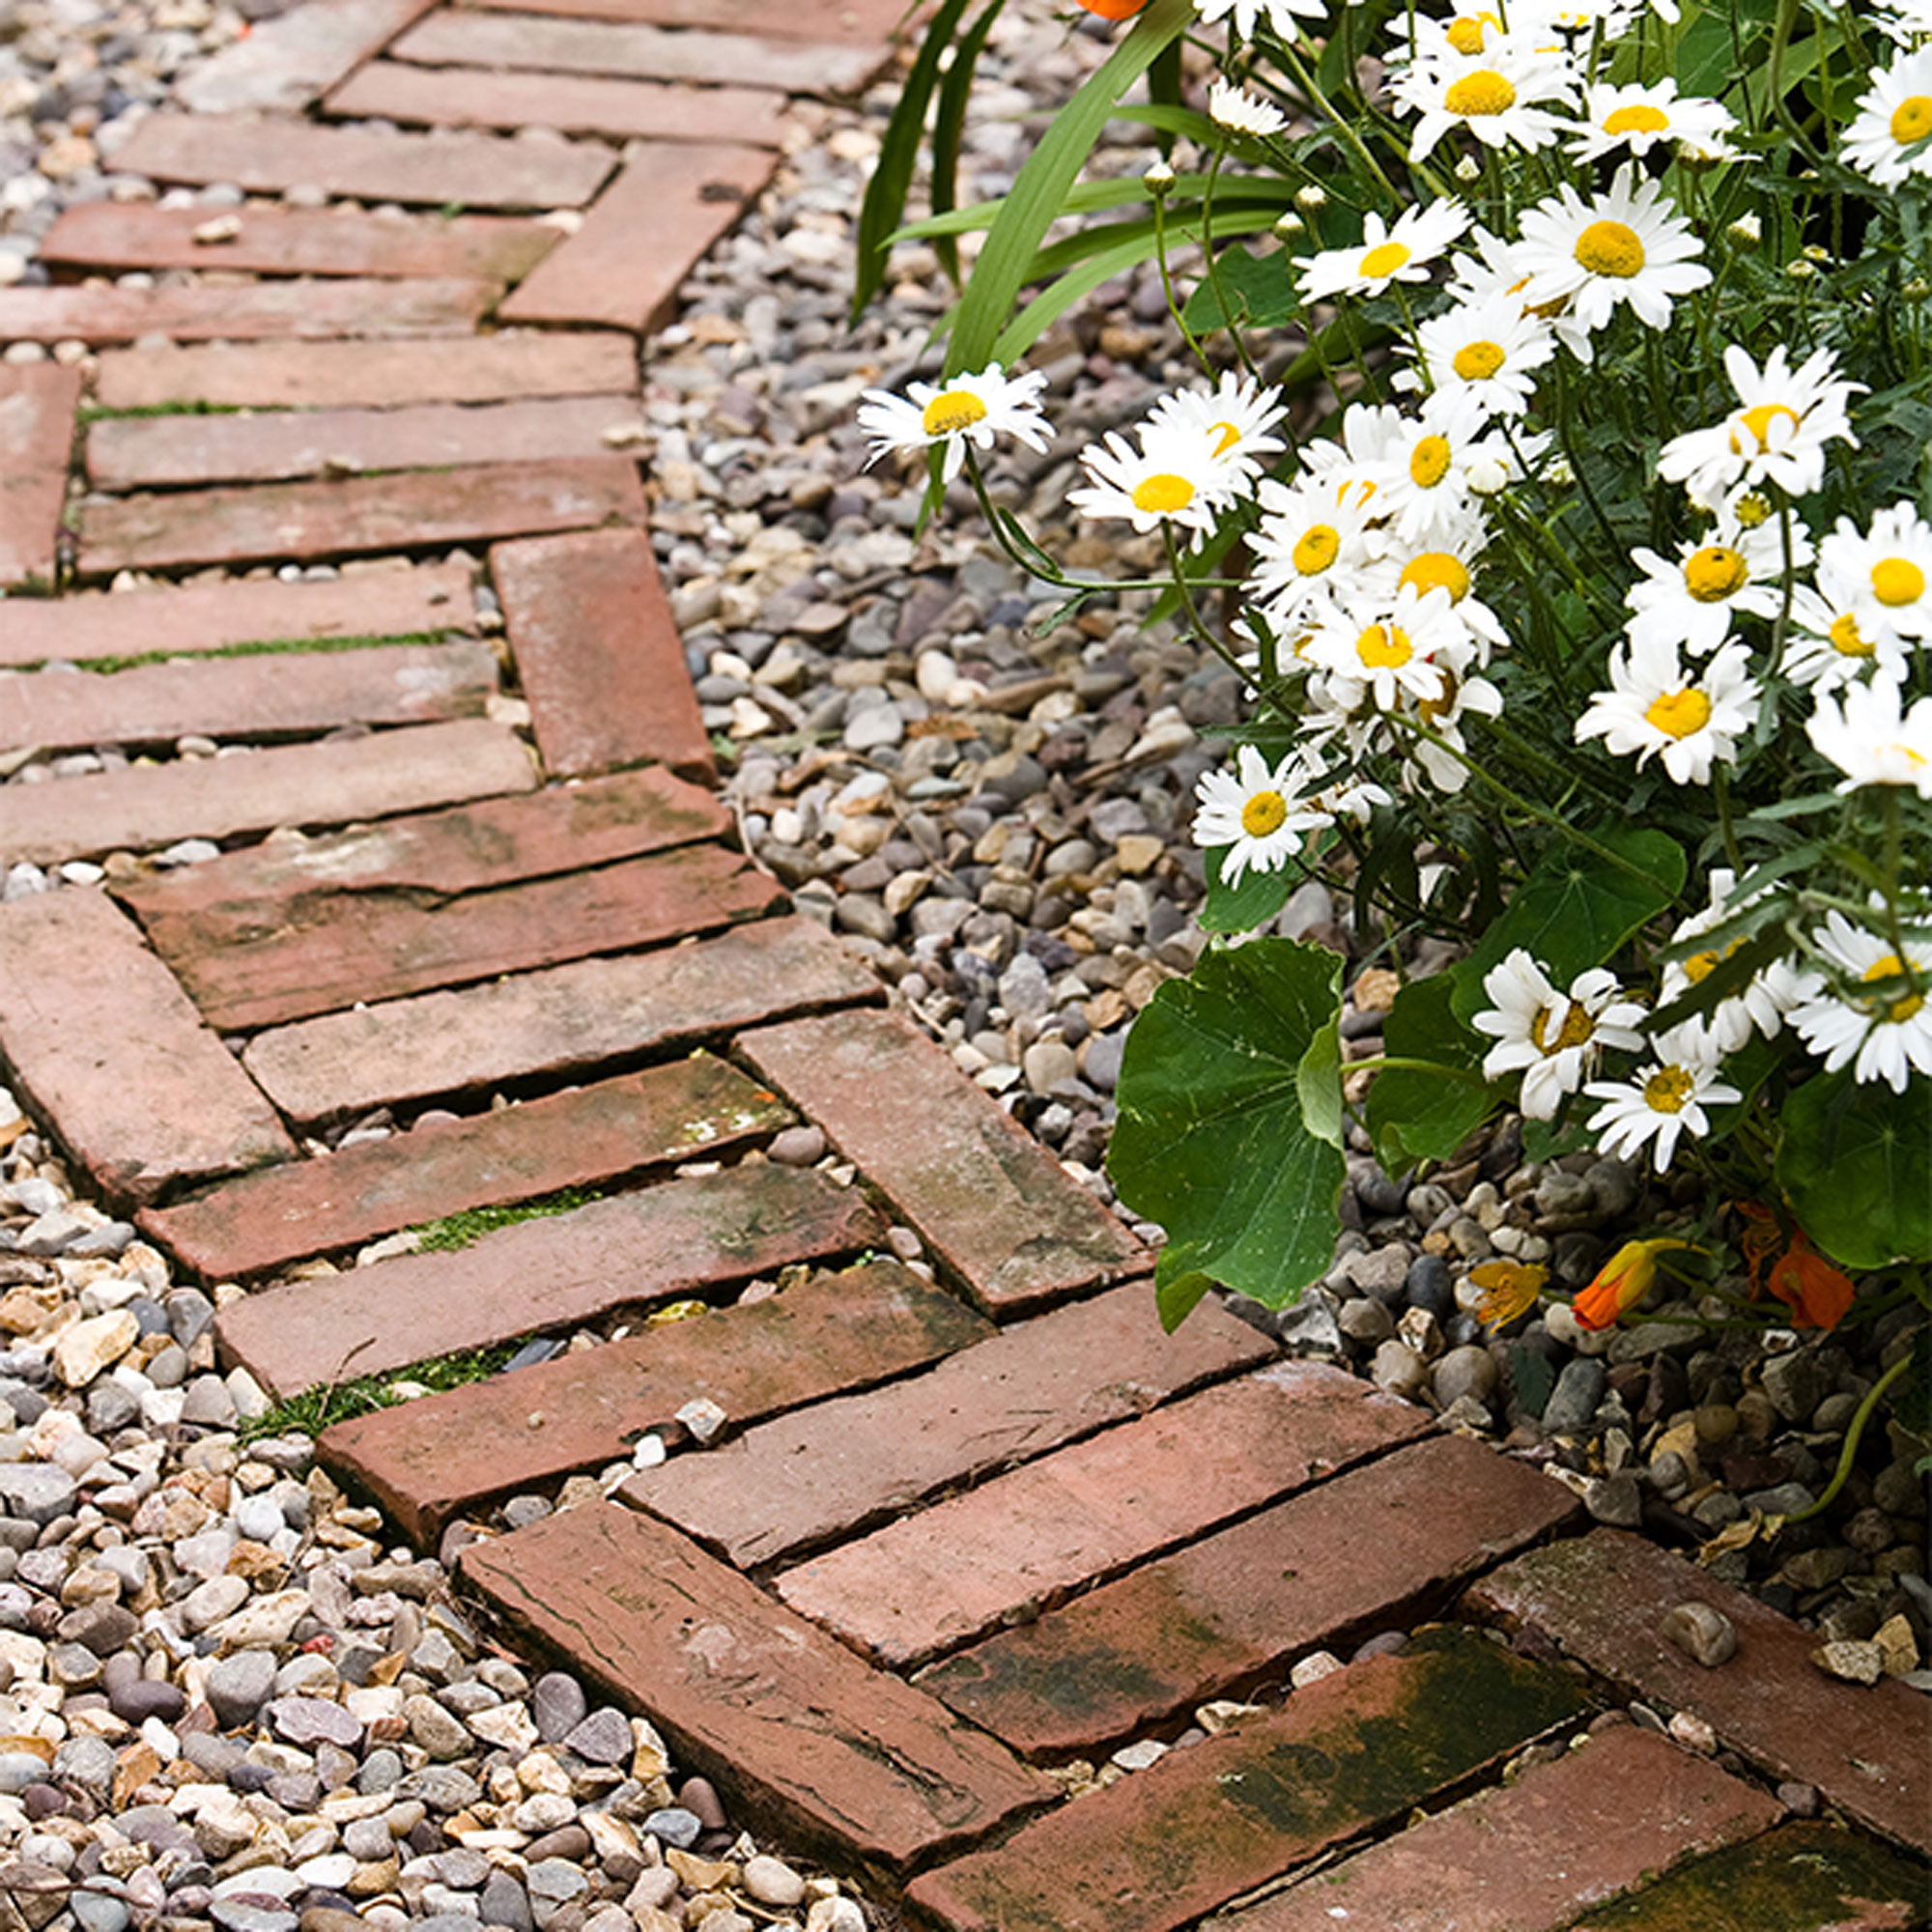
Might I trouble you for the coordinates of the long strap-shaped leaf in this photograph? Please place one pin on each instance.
(949, 127)
(1040, 193)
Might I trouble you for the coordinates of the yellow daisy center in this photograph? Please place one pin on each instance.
(1429, 462)
(1758, 420)
(1911, 119)
(1700, 965)
(1484, 92)
(1897, 580)
(1466, 33)
(1477, 361)
(1382, 260)
(1316, 549)
(1430, 709)
(1224, 436)
(1384, 646)
(1264, 812)
(1639, 118)
(1906, 1005)
(1667, 1090)
(1752, 509)
(952, 411)
(1679, 713)
(1714, 573)
(1610, 248)
(1847, 639)
(1438, 570)
(1162, 493)
(1576, 1028)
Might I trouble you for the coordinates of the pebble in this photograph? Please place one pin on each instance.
(1702, 1632)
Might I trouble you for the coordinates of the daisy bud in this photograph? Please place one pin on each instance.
(1485, 475)
(1290, 225)
(1311, 197)
(1158, 179)
(1468, 169)
(1800, 271)
(1558, 473)
(1752, 509)
(1747, 231)
(1916, 288)
(1813, 252)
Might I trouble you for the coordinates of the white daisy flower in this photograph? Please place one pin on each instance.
(1234, 419)
(1247, 15)
(1889, 137)
(1252, 814)
(1826, 648)
(968, 409)
(1354, 462)
(1883, 575)
(1442, 458)
(1733, 570)
(1778, 433)
(1312, 545)
(1171, 477)
(1400, 254)
(1637, 118)
(1767, 996)
(1872, 739)
(1436, 758)
(1626, 247)
(1655, 709)
(1389, 650)
(1883, 1032)
(1552, 1039)
(1451, 566)
(1662, 1100)
(1240, 112)
(1906, 21)
(1509, 94)
(1487, 349)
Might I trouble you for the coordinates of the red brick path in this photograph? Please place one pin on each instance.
(970, 1516)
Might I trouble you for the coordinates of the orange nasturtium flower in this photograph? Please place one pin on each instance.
(1507, 1289)
(1622, 1281)
(1114, 10)
(1816, 1293)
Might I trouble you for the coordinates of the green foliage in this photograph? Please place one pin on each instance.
(466, 1229)
(311, 1413)
(1856, 1164)
(263, 648)
(1424, 1110)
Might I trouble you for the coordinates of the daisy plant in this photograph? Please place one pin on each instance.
(1558, 479)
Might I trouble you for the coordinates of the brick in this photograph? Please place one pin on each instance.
(184, 618)
(1801, 1878)
(457, 96)
(278, 696)
(412, 509)
(146, 808)
(806, 1478)
(1366, 1549)
(807, 1742)
(1866, 1749)
(1207, 1824)
(37, 412)
(439, 1457)
(1528, 1856)
(870, 23)
(338, 948)
(598, 654)
(1000, 1211)
(103, 1044)
(266, 156)
(350, 375)
(287, 60)
(202, 313)
(649, 229)
(554, 1023)
(450, 38)
(557, 1271)
(590, 1134)
(140, 452)
(1015, 1545)
(298, 241)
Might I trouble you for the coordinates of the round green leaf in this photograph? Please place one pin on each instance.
(1856, 1165)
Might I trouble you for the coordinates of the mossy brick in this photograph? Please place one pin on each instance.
(203, 312)
(1359, 1551)
(1013, 1545)
(804, 1478)
(586, 1135)
(38, 402)
(431, 1459)
(677, 1239)
(1602, 1600)
(996, 1207)
(288, 59)
(1602, 1821)
(1354, 1750)
(561, 1021)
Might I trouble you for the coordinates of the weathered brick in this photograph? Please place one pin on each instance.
(350, 375)
(1528, 1856)
(1361, 1550)
(278, 696)
(37, 410)
(623, 268)
(412, 509)
(98, 1039)
(556, 1272)
(138, 452)
(586, 1135)
(806, 1478)
(1801, 1878)
(456, 97)
(598, 653)
(1868, 1749)
(432, 1458)
(286, 60)
(868, 23)
(339, 948)
(349, 306)
(450, 37)
(478, 170)
(988, 1199)
(1208, 1823)
(298, 241)
(933, 1582)
(554, 1023)
(807, 1742)
(145, 807)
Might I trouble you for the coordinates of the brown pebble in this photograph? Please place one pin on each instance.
(1702, 1632)
(698, 1797)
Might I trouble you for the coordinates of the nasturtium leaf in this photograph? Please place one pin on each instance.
(1415, 1115)
(1178, 1291)
(1221, 1072)
(1244, 291)
(1252, 901)
(1852, 1163)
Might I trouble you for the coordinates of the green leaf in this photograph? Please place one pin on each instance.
(949, 127)
(1852, 1163)
(1176, 1293)
(1222, 1073)
(1318, 1083)
(1250, 902)
(1416, 1116)
(1244, 291)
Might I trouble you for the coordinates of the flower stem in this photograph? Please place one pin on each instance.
(1848, 1455)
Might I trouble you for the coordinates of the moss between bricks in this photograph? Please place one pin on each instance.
(265, 649)
(314, 1409)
